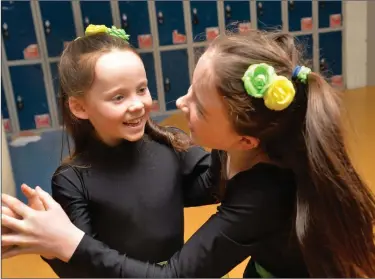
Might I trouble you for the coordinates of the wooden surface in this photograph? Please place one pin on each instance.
(360, 104)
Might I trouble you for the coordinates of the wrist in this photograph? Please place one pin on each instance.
(70, 244)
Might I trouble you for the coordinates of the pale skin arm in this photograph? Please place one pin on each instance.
(46, 232)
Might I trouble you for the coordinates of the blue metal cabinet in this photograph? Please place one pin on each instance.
(58, 25)
(17, 28)
(148, 61)
(4, 105)
(29, 94)
(269, 14)
(331, 53)
(326, 9)
(55, 81)
(96, 12)
(297, 11)
(203, 15)
(170, 17)
(134, 19)
(175, 76)
(305, 42)
(236, 12)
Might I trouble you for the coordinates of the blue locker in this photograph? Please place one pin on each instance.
(236, 12)
(170, 17)
(297, 11)
(331, 53)
(175, 76)
(134, 19)
(96, 12)
(4, 106)
(305, 42)
(17, 28)
(326, 9)
(30, 93)
(203, 15)
(148, 61)
(55, 80)
(269, 15)
(59, 16)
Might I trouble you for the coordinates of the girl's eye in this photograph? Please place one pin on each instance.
(143, 90)
(118, 98)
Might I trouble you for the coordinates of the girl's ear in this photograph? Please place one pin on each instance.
(77, 107)
(247, 143)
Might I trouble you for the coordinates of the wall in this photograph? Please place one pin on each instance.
(7, 179)
(355, 43)
(370, 44)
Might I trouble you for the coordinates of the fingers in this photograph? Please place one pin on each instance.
(47, 201)
(17, 239)
(5, 210)
(16, 205)
(11, 223)
(28, 191)
(15, 251)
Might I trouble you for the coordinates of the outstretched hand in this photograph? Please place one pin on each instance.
(47, 232)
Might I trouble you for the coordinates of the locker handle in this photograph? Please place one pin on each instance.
(167, 85)
(195, 16)
(125, 23)
(47, 27)
(291, 5)
(20, 103)
(160, 17)
(4, 30)
(228, 12)
(260, 8)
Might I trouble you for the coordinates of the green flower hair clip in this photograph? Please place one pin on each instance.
(261, 81)
(96, 29)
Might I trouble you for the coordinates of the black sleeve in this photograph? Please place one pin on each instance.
(201, 176)
(68, 190)
(201, 171)
(226, 239)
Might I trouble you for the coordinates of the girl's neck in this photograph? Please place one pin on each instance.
(239, 160)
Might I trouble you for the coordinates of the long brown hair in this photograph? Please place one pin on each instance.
(76, 75)
(335, 210)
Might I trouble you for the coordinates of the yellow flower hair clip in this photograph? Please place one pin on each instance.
(96, 29)
(261, 81)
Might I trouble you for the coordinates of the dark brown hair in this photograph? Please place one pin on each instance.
(335, 210)
(76, 75)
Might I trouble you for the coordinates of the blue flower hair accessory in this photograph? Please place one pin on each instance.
(301, 73)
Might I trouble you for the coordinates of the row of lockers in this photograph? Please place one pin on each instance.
(158, 30)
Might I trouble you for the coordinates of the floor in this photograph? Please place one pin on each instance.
(45, 156)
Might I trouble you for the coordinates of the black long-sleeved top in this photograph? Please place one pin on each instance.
(131, 197)
(255, 219)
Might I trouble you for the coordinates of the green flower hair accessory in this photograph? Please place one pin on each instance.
(261, 81)
(258, 78)
(96, 29)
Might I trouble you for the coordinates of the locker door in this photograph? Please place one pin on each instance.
(30, 96)
(135, 19)
(175, 76)
(18, 30)
(331, 54)
(171, 26)
(330, 14)
(237, 14)
(58, 23)
(4, 111)
(148, 61)
(300, 15)
(269, 15)
(55, 80)
(306, 44)
(96, 12)
(204, 18)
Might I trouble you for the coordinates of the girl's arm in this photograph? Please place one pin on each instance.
(68, 190)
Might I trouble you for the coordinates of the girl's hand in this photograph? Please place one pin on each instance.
(48, 232)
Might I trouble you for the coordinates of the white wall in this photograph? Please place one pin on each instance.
(7, 178)
(355, 43)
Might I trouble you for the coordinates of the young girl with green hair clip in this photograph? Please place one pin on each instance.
(291, 198)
